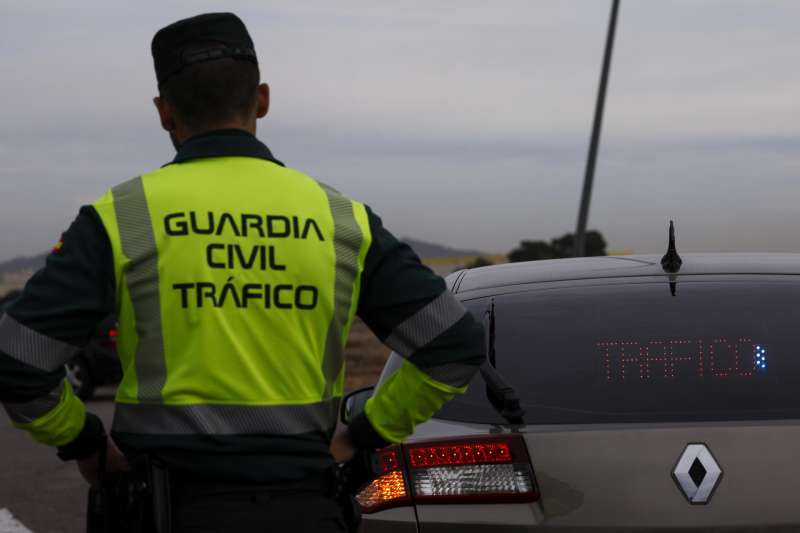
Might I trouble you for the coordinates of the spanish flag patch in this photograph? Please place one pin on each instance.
(59, 245)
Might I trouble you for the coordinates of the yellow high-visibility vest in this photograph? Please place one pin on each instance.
(237, 281)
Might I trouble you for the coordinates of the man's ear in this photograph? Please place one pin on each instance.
(164, 113)
(263, 101)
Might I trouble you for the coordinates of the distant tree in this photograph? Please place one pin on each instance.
(531, 251)
(595, 243)
(478, 262)
(558, 248)
(563, 246)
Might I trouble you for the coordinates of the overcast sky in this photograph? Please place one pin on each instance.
(464, 123)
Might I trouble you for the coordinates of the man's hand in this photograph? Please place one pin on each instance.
(115, 462)
(342, 446)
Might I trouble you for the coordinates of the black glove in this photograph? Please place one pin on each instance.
(357, 472)
(351, 477)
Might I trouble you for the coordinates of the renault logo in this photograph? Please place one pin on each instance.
(697, 473)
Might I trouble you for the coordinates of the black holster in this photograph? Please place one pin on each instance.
(351, 477)
(131, 502)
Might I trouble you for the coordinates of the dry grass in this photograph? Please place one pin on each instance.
(364, 357)
(14, 281)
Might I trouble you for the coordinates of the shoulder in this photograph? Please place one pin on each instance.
(334, 195)
(108, 197)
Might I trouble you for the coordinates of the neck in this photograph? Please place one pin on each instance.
(184, 134)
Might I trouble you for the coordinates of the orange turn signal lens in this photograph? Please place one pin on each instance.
(387, 488)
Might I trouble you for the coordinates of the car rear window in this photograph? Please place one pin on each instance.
(714, 351)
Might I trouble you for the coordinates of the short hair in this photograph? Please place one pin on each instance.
(211, 93)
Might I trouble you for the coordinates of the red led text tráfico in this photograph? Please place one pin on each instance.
(670, 359)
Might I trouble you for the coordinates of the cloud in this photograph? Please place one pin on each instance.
(412, 106)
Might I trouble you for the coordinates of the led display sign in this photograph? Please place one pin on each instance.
(681, 359)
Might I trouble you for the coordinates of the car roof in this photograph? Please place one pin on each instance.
(623, 266)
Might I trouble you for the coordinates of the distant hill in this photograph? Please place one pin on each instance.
(428, 250)
(23, 263)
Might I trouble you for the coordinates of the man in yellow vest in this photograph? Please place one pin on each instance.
(235, 280)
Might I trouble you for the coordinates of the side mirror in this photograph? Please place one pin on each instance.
(353, 404)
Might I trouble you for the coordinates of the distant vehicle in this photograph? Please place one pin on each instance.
(97, 364)
(651, 400)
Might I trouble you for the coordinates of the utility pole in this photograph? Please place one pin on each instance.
(586, 197)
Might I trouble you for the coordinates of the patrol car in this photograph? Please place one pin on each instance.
(616, 396)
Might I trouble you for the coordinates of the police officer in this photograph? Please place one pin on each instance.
(235, 280)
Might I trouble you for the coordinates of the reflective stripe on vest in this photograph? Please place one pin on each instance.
(346, 241)
(139, 245)
(237, 284)
(153, 419)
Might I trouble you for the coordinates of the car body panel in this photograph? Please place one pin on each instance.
(476, 517)
(623, 477)
(398, 520)
(495, 277)
(679, 282)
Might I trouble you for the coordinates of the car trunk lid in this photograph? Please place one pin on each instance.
(626, 476)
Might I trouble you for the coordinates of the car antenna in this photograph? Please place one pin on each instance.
(500, 394)
(671, 262)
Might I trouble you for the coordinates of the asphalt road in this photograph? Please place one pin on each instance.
(42, 492)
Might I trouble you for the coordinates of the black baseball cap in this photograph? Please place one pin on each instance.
(206, 37)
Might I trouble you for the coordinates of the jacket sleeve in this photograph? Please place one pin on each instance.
(410, 309)
(58, 312)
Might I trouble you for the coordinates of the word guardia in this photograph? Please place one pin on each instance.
(245, 225)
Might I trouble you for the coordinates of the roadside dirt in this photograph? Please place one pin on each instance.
(364, 357)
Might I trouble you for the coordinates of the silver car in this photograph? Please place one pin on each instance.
(616, 397)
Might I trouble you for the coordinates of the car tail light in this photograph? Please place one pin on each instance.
(474, 470)
(389, 489)
(112, 336)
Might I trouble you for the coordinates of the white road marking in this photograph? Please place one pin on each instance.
(9, 524)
